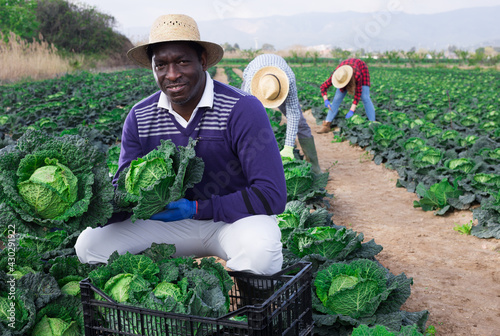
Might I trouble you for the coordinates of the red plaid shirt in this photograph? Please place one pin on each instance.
(361, 78)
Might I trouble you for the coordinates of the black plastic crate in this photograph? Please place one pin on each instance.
(280, 306)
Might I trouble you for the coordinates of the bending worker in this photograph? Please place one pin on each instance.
(272, 81)
(351, 76)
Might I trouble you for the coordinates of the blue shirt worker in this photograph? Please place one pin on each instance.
(269, 78)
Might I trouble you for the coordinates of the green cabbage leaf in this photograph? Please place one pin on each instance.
(160, 177)
(437, 196)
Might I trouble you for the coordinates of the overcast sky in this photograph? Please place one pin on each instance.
(133, 13)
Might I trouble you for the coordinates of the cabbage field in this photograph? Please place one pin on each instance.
(438, 128)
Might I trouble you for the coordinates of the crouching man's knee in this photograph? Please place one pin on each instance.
(87, 247)
(255, 246)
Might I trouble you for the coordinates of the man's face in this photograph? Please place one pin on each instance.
(180, 74)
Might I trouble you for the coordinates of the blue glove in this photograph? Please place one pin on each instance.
(177, 210)
(349, 114)
(328, 104)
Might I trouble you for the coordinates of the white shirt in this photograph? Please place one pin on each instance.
(207, 100)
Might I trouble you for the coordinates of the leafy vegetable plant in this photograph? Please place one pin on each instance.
(436, 197)
(354, 289)
(54, 182)
(380, 330)
(302, 184)
(298, 215)
(156, 280)
(464, 228)
(361, 292)
(160, 177)
(329, 242)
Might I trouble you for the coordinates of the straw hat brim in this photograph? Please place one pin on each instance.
(284, 86)
(340, 84)
(139, 55)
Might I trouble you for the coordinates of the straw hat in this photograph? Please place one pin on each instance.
(172, 28)
(270, 86)
(342, 76)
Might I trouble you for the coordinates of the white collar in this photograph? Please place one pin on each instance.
(207, 100)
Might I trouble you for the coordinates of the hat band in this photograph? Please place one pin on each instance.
(279, 85)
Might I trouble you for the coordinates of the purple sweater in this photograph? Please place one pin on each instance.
(243, 173)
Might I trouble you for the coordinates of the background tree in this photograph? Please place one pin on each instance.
(79, 28)
(18, 16)
(369, 57)
(295, 56)
(340, 53)
(251, 53)
(227, 47)
(479, 56)
(410, 56)
(315, 57)
(392, 56)
(463, 55)
(436, 55)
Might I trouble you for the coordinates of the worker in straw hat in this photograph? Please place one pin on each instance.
(231, 212)
(272, 81)
(351, 76)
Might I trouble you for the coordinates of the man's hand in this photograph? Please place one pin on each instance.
(177, 210)
(328, 104)
(349, 114)
(287, 152)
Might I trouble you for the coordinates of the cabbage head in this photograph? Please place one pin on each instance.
(329, 242)
(167, 289)
(384, 135)
(468, 140)
(356, 120)
(413, 143)
(161, 176)
(53, 326)
(126, 287)
(144, 173)
(461, 164)
(449, 135)
(50, 190)
(302, 184)
(487, 178)
(49, 181)
(354, 289)
(426, 156)
(487, 182)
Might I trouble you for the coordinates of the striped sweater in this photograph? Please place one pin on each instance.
(243, 171)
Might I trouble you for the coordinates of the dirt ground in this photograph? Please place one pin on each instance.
(455, 277)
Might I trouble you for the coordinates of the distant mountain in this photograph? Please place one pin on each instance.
(380, 31)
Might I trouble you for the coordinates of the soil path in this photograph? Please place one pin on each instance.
(455, 277)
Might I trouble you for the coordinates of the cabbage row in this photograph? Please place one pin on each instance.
(350, 288)
(440, 130)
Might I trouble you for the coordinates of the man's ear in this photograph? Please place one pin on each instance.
(203, 59)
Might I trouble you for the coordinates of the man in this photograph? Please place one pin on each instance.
(230, 213)
(350, 76)
(272, 81)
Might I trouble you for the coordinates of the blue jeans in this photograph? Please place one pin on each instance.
(365, 98)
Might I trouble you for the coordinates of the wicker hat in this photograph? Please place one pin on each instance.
(342, 76)
(270, 85)
(175, 28)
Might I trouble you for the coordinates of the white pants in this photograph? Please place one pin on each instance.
(251, 244)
